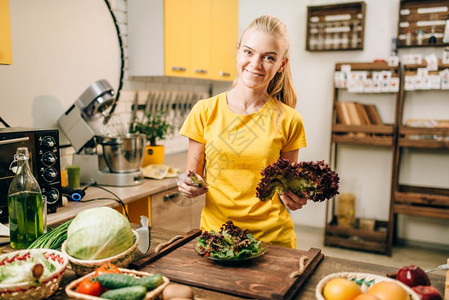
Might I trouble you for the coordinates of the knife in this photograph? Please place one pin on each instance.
(144, 235)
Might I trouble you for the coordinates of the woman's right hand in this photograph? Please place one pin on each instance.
(189, 188)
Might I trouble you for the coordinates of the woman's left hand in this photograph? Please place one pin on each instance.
(292, 201)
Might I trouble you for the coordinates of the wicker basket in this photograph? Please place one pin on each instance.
(83, 267)
(364, 280)
(49, 284)
(70, 288)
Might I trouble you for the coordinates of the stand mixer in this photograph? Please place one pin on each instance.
(117, 162)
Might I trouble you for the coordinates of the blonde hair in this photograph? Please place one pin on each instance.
(281, 86)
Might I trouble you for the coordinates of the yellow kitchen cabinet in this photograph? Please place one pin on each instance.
(200, 42)
(135, 209)
(182, 38)
(138, 208)
(5, 34)
(176, 37)
(224, 39)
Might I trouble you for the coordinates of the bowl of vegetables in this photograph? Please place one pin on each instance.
(85, 266)
(31, 273)
(97, 236)
(117, 283)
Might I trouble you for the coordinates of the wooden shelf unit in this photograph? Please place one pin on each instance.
(335, 27)
(422, 201)
(373, 136)
(430, 202)
(409, 138)
(413, 67)
(379, 135)
(356, 238)
(424, 15)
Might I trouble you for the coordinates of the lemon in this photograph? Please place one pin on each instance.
(341, 289)
(366, 297)
(388, 290)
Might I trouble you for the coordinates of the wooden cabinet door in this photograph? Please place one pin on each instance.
(137, 208)
(198, 38)
(224, 39)
(177, 28)
(166, 214)
(196, 210)
(200, 43)
(5, 34)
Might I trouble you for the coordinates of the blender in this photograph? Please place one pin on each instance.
(104, 158)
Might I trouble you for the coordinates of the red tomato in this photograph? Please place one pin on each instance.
(107, 268)
(89, 286)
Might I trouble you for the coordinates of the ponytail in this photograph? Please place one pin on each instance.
(281, 87)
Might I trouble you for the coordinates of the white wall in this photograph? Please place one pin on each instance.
(61, 46)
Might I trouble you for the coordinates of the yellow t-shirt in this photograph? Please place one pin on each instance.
(237, 148)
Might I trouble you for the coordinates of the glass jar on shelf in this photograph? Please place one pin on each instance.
(345, 36)
(355, 35)
(408, 38)
(419, 36)
(328, 38)
(336, 40)
(313, 40)
(432, 38)
(320, 39)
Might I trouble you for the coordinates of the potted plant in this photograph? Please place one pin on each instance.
(155, 127)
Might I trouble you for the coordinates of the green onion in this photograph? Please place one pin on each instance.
(52, 239)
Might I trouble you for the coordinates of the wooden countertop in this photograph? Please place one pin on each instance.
(148, 187)
(126, 194)
(328, 265)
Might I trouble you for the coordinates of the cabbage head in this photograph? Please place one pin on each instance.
(97, 233)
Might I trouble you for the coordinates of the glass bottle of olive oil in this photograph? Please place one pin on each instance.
(25, 204)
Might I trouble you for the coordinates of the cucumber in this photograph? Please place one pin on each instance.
(127, 293)
(112, 281)
(152, 281)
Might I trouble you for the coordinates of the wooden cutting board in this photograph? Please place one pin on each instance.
(266, 277)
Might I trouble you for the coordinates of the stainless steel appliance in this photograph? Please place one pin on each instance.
(104, 157)
(43, 146)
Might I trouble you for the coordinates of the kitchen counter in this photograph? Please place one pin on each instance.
(327, 266)
(158, 235)
(127, 194)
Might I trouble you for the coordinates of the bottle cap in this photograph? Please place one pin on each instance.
(22, 153)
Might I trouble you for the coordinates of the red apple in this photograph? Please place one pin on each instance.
(413, 276)
(427, 292)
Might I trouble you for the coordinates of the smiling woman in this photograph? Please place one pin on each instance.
(236, 134)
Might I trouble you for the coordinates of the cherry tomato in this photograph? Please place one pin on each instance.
(107, 268)
(89, 286)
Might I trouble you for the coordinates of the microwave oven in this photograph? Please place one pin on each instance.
(45, 163)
